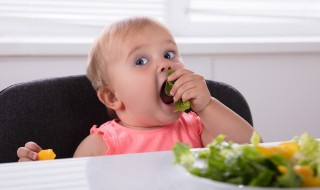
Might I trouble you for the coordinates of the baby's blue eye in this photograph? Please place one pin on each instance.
(142, 61)
(169, 55)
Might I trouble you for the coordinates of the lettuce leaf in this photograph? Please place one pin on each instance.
(183, 154)
(255, 139)
(289, 179)
(309, 153)
(180, 105)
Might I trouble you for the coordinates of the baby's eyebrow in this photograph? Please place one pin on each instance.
(171, 42)
(135, 49)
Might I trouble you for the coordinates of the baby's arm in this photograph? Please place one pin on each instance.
(29, 152)
(93, 145)
(215, 117)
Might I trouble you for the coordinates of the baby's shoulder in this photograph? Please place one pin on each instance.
(92, 145)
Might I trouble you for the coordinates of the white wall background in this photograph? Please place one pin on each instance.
(280, 82)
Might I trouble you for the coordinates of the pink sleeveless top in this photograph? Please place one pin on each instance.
(123, 140)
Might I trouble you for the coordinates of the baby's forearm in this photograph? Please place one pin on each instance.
(217, 119)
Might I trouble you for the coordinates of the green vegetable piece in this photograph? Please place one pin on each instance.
(183, 154)
(289, 179)
(181, 106)
(169, 84)
(255, 139)
(264, 179)
(309, 150)
(168, 87)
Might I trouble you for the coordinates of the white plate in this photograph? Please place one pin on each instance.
(208, 184)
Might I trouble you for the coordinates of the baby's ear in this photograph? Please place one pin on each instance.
(109, 99)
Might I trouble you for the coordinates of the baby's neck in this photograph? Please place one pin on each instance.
(139, 127)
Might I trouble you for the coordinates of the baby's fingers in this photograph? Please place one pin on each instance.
(26, 154)
(25, 160)
(33, 147)
(184, 83)
(178, 73)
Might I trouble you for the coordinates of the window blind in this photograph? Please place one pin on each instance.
(213, 18)
(254, 10)
(64, 15)
(244, 18)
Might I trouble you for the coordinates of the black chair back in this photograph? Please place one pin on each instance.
(58, 113)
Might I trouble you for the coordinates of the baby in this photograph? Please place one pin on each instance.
(128, 66)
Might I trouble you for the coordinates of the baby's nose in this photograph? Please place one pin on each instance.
(165, 68)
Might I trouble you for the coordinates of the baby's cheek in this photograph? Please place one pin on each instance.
(179, 65)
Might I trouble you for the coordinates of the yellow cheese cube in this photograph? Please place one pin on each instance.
(46, 155)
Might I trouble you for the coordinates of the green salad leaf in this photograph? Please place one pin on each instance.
(183, 154)
(289, 179)
(255, 139)
(253, 164)
(180, 105)
(309, 152)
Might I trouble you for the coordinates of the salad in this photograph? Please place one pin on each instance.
(294, 163)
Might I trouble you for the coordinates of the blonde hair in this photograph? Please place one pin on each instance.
(104, 50)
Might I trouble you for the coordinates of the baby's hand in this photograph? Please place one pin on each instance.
(29, 152)
(190, 86)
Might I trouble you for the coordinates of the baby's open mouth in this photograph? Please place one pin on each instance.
(164, 97)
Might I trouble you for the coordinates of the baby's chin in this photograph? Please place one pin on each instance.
(171, 118)
(165, 120)
(158, 121)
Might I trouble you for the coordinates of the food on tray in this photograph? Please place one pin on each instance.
(181, 106)
(47, 154)
(294, 163)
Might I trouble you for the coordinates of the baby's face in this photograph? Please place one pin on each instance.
(140, 73)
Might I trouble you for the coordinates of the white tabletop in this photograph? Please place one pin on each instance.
(142, 171)
(132, 171)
